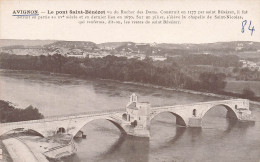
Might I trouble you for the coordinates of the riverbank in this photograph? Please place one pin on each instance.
(185, 91)
(49, 148)
(5, 156)
(19, 151)
(33, 71)
(35, 148)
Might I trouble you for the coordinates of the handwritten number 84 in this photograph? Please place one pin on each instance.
(249, 27)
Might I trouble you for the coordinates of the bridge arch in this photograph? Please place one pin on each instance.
(78, 128)
(23, 129)
(231, 113)
(179, 119)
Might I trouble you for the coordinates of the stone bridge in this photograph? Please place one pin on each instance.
(134, 119)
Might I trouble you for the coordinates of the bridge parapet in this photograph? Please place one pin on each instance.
(244, 102)
(135, 119)
(191, 114)
(66, 117)
(49, 125)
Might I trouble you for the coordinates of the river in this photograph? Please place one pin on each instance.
(219, 139)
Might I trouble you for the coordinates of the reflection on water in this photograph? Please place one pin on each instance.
(129, 148)
(105, 143)
(194, 133)
(219, 139)
(178, 133)
(126, 148)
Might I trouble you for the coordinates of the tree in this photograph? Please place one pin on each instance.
(248, 93)
(8, 113)
(212, 81)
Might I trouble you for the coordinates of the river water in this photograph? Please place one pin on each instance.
(219, 139)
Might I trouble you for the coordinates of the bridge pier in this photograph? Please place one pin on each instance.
(195, 122)
(137, 118)
(138, 131)
(245, 115)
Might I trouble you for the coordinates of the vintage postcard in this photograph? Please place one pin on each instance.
(129, 81)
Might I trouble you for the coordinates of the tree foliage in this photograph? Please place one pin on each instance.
(168, 73)
(202, 59)
(212, 82)
(8, 113)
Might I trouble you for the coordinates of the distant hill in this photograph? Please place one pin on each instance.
(141, 48)
(111, 45)
(243, 49)
(83, 45)
(24, 42)
(214, 46)
(174, 46)
(31, 47)
(232, 45)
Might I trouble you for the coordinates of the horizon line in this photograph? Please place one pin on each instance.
(125, 41)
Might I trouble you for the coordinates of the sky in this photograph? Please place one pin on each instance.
(189, 31)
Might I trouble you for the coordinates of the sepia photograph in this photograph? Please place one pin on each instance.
(129, 81)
